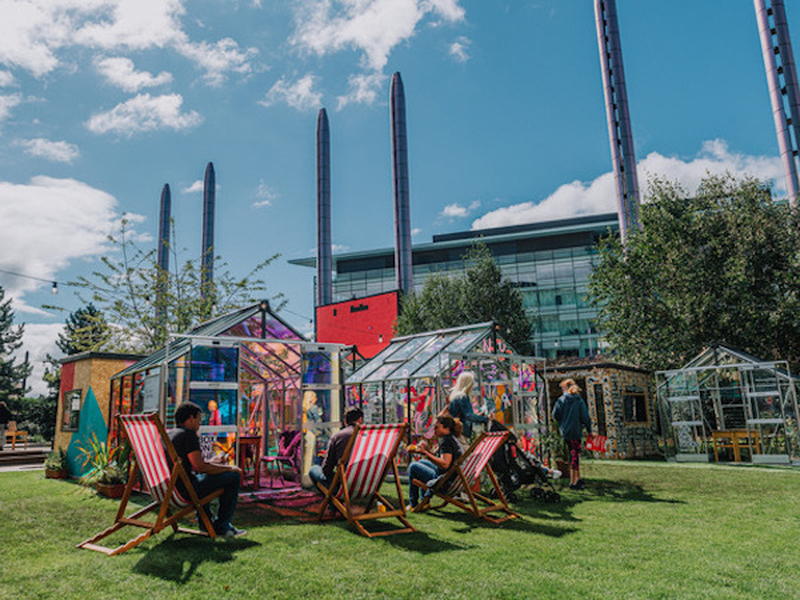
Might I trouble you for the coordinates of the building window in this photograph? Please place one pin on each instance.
(71, 410)
(635, 406)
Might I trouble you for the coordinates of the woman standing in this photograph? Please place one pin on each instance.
(572, 415)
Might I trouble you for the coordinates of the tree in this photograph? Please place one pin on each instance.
(12, 375)
(143, 304)
(719, 268)
(480, 295)
(86, 329)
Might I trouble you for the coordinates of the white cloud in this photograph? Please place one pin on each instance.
(459, 49)
(373, 27)
(47, 223)
(197, 186)
(265, 195)
(300, 95)
(219, 58)
(6, 79)
(456, 211)
(416, 231)
(120, 71)
(55, 151)
(364, 89)
(599, 196)
(145, 113)
(7, 103)
(36, 32)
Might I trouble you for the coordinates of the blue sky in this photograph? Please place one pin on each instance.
(104, 101)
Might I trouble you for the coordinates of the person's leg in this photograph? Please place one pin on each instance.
(229, 482)
(574, 463)
(423, 470)
(316, 474)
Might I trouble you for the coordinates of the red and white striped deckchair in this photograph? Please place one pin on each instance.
(461, 478)
(370, 453)
(151, 448)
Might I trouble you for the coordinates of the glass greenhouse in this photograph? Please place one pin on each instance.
(727, 405)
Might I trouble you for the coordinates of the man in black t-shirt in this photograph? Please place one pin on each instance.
(336, 447)
(206, 477)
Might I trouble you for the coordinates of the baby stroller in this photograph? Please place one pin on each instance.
(514, 468)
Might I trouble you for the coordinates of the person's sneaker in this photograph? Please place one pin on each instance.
(555, 474)
(234, 532)
(410, 508)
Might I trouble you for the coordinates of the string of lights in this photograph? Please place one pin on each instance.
(54, 283)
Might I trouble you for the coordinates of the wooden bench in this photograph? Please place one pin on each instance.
(735, 439)
(12, 434)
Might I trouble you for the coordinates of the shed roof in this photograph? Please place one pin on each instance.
(422, 354)
(244, 322)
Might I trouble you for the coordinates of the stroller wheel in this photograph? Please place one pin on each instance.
(552, 497)
(537, 493)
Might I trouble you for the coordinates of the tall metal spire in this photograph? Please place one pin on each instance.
(207, 264)
(402, 211)
(163, 252)
(619, 121)
(324, 260)
(776, 48)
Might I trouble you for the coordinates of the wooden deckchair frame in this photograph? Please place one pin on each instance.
(339, 487)
(168, 513)
(477, 504)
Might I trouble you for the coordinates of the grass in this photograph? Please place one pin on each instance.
(640, 530)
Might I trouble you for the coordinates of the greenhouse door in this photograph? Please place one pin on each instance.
(766, 421)
(686, 418)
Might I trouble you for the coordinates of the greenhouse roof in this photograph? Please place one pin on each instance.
(244, 322)
(422, 354)
(715, 357)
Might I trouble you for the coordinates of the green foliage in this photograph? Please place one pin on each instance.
(145, 304)
(11, 374)
(106, 465)
(720, 268)
(37, 416)
(57, 460)
(85, 330)
(480, 295)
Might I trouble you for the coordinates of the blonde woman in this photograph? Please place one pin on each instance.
(572, 415)
(460, 406)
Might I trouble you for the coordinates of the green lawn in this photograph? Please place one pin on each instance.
(640, 530)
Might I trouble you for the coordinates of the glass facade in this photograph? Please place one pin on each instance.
(549, 262)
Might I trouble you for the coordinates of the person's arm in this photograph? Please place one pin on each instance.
(199, 465)
(443, 461)
(469, 415)
(587, 420)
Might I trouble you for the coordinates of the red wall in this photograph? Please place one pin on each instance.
(361, 322)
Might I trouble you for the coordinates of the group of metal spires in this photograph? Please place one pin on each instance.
(402, 208)
(207, 260)
(776, 47)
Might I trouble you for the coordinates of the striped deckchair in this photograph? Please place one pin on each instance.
(461, 478)
(153, 452)
(369, 455)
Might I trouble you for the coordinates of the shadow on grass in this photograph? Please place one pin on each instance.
(620, 491)
(469, 523)
(178, 557)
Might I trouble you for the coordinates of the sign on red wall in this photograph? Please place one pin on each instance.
(366, 322)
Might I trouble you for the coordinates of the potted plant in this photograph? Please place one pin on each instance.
(557, 450)
(55, 465)
(108, 468)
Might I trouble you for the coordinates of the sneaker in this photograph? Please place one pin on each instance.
(555, 474)
(233, 532)
(410, 508)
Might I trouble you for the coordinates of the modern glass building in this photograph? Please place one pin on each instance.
(550, 262)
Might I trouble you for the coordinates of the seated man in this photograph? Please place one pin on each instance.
(336, 448)
(205, 476)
